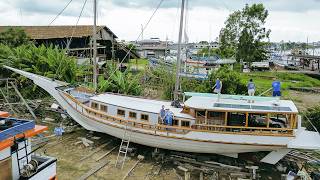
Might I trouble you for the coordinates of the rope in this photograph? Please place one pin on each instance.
(74, 28)
(60, 12)
(143, 29)
(70, 40)
(305, 115)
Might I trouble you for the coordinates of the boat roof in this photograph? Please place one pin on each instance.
(139, 104)
(239, 103)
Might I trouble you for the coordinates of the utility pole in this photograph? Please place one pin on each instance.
(141, 32)
(94, 39)
(177, 85)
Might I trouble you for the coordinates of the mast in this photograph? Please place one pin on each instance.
(177, 85)
(94, 41)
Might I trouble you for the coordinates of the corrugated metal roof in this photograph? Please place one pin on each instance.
(52, 32)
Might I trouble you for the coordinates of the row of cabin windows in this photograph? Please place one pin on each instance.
(183, 123)
(133, 115)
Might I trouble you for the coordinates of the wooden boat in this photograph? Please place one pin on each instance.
(226, 125)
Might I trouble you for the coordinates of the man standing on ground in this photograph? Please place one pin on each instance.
(251, 89)
(276, 86)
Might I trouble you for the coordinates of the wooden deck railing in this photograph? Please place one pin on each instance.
(94, 114)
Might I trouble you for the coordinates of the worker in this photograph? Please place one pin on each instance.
(169, 117)
(162, 114)
(251, 89)
(276, 86)
(217, 87)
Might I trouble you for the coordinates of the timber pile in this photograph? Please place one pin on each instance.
(215, 170)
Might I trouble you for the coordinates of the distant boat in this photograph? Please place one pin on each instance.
(205, 123)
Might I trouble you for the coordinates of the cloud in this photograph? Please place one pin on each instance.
(231, 5)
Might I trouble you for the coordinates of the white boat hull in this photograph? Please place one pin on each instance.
(193, 141)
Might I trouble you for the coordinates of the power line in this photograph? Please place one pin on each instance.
(144, 28)
(60, 13)
(74, 28)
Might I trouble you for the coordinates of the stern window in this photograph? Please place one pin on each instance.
(185, 123)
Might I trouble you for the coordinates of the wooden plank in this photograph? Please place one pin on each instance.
(107, 153)
(96, 150)
(93, 170)
(23, 100)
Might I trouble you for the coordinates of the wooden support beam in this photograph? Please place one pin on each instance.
(107, 153)
(140, 158)
(247, 119)
(7, 102)
(268, 119)
(206, 117)
(23, 100)
(226, 119)
(96, 150)
(94, 170)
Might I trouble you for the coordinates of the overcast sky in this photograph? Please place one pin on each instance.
(294, 20)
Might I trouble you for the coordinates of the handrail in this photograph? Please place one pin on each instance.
(199, 127)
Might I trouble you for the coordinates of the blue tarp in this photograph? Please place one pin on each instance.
(19, 126)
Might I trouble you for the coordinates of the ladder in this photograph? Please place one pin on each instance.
(123, 149)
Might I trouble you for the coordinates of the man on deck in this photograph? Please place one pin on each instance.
(217, 87)
(162, 114)
(276, 86)
(251, 89)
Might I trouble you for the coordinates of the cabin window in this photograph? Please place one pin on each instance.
(257, 120)
(133, 115)
(144, 117)
(185, 123)
(103, 108)
(201, 114)
(176, 122)
(279, 120)
(236, 119)
(94, 105)
(121, 112)
(216, 115)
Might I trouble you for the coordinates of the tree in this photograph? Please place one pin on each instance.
(244, 33)
(14, 37)
(231, 82)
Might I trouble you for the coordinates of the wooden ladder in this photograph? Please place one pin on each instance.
(123, 149)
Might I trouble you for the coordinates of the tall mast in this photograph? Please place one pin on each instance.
(177, 85)
(94, 41)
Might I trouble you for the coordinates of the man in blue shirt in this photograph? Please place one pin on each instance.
(276, 86)
(251, 89)
(218, 86)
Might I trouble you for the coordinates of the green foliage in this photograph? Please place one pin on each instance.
(313, 114)
(14, 37)
(50, 61)
(206, 52)
(243, 34)
(120, 82)
(231, 82)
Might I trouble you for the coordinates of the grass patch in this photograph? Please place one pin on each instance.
(263, 80)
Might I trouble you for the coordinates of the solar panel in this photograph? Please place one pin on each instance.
(252, 107)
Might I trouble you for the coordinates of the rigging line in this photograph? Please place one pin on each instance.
(69, 42)
(305, 115)
(144, 28)
(60, 12)
(74, 28)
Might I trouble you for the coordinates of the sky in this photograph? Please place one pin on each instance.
(289, 20)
